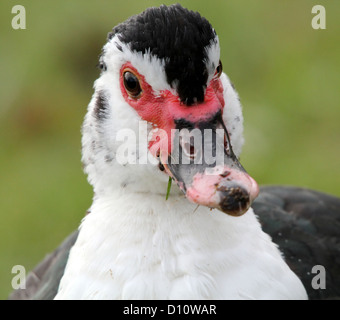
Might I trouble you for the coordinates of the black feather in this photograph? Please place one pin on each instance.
(101, 106)
(177, 35)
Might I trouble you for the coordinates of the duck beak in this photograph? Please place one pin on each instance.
(206, 169)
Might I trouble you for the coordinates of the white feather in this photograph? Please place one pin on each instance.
(139, 246)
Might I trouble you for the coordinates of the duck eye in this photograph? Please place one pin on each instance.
(218, 71)
(132, 85)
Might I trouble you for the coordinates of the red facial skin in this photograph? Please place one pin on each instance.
(161, 110)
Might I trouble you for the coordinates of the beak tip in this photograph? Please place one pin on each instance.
(234, 201)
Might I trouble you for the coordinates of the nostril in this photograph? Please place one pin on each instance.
(225, 173)
(189, 148)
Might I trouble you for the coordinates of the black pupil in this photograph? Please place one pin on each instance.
(131, 83)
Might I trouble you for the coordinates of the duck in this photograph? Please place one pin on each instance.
(175, 215)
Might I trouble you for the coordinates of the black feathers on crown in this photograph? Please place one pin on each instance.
(177, 35)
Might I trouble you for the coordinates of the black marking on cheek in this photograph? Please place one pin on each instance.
(101, 106)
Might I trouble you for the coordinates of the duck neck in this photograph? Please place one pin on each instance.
(137, 246)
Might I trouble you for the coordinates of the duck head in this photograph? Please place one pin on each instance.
(163, 107)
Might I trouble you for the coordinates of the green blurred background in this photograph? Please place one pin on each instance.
(287, 75)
